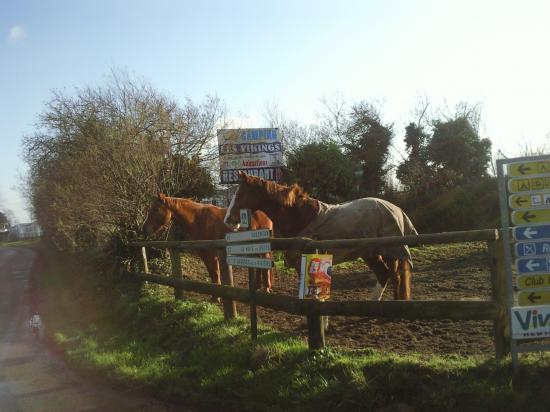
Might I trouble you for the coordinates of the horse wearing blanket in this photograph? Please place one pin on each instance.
(295, 214)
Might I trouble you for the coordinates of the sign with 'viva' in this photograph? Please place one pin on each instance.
(530, 322)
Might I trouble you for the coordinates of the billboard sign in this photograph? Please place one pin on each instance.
(258, 152)
(529, 200)
(533, 184)
(532, 248)
(530, 265)
(524, 199)
(530, 216)
(529, 168)
(533, 281)
(531, 232)
(534, 297)
(530, 322)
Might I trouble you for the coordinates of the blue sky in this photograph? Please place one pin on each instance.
(286, 52)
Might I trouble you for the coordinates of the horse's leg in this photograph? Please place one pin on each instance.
(401, 275)
(264, 279)
(267, 275)
(261, 280)
(270, 278)
(382, 272)
(395, 276)
(406, 279)
(212, 263)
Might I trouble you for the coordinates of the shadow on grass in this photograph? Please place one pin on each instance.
(185, 350)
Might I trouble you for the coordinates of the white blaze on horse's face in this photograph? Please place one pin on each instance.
(227, 219)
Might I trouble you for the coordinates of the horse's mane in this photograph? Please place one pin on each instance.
(285, 195)
(173, 203)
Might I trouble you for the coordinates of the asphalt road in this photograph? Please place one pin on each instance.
(32, 378)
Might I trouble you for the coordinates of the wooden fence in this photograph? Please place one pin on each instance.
(493, 309)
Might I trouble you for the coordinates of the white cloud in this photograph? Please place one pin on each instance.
(17, 33)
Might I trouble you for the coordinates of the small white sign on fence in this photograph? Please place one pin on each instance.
(246, 236)
(248, 249)
(250, 262)
(245, 216)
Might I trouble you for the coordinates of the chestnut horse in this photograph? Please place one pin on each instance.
(295, 213)
(199, 221)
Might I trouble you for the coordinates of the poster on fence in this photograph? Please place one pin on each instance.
(315, 277)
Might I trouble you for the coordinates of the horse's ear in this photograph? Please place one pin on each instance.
(291, 193)
(296, 189)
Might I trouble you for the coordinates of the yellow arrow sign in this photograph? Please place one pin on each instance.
(529, 200)
(526, 217)
(534, 297)
(529, 168)
(533, 281)
(529, 185)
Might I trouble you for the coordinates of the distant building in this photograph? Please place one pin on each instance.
(4, 231)
(25, 231)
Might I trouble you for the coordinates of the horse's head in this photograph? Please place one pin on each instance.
(247, 196)
(255, 193)
(158, 216)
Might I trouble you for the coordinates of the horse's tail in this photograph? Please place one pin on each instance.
(408, 229)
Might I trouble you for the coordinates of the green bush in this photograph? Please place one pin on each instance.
(467, 207)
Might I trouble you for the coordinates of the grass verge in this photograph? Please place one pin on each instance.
(22, 243)
(138, 335)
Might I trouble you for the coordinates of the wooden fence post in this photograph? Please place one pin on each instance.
(315, 332)
(498, 283)
(177, 272)
(144, 260)
(226, 274)
(253, 314)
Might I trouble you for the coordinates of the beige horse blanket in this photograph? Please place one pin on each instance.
(361, 218)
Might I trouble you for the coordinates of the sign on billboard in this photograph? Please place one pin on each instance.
(258, 152)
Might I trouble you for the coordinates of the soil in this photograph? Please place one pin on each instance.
(454, 272)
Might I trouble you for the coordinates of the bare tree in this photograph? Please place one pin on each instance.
(100, 154)
(334, 119)
(527, 149)
(293, 134)
(461, 110)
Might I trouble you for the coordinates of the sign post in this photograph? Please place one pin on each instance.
(235, 252)
(524, 195)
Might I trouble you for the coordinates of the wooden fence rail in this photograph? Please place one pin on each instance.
(306, 243)
(494, 309)
(393, 309)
